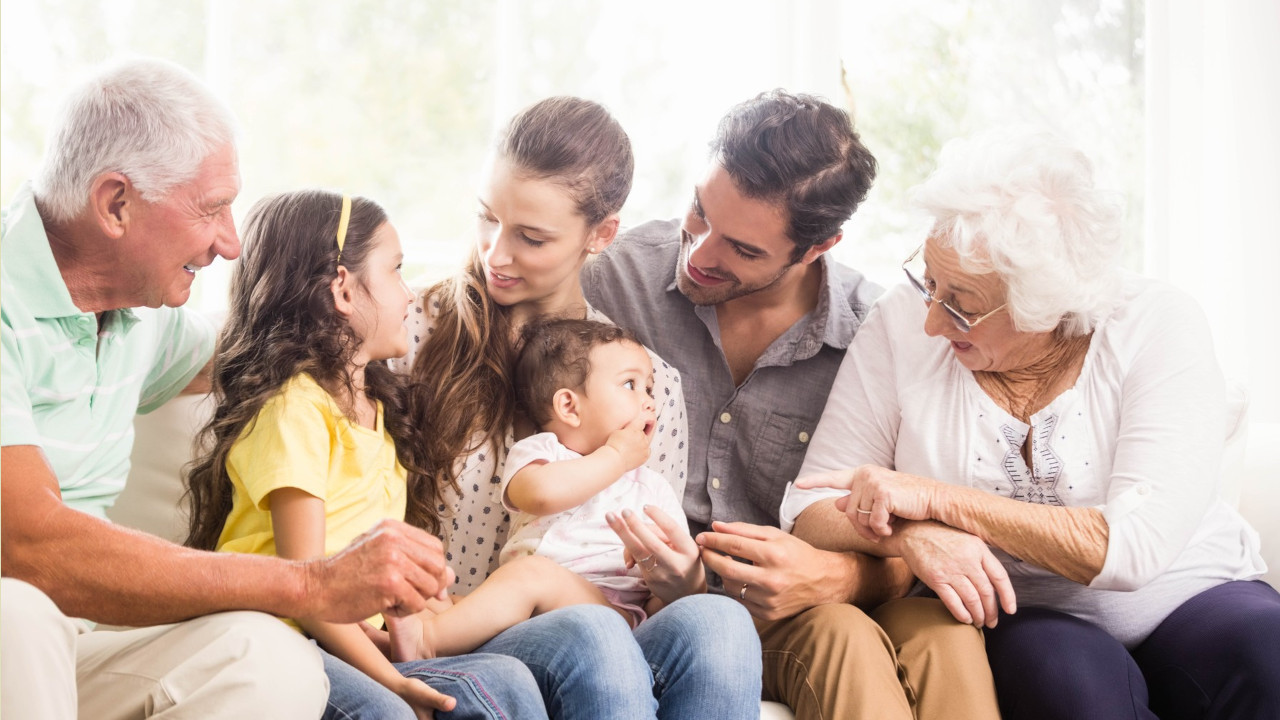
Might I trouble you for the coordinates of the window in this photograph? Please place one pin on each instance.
(398, 101)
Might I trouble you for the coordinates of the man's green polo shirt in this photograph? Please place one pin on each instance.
(73, 389)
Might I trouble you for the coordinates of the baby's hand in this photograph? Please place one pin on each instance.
(631, 443)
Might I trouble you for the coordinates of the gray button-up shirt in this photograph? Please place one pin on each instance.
(745, 442)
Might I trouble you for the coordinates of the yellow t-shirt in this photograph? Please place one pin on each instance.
(301, 439)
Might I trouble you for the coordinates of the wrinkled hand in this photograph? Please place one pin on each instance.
(877, 496)
(632, 442)
(393, 569)
(671, 567)
(423, 698)
(785, 574)
(961, 569)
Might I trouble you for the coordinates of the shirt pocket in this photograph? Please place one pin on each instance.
(777, 454)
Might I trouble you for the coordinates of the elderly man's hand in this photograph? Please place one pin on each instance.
(785, 576)
(394, 569)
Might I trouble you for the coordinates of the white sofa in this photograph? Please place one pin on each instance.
(151, 500)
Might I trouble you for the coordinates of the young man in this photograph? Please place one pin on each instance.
(742, 298)
(133, 199)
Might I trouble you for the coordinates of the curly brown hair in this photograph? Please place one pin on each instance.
(282, 322)
(556, 353)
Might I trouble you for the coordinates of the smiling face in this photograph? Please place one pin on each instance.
(171, 238)
(533, 241)
(731, 245)
(618, 390)
(382, 303)
(993, 345)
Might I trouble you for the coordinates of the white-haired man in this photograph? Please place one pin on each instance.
(99, 251)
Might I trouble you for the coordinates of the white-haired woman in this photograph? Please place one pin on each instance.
(1052, 439)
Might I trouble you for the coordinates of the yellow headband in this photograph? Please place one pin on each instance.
(342, 224)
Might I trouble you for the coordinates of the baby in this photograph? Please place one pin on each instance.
(588, 386)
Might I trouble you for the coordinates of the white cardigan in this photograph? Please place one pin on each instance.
(1139, 437)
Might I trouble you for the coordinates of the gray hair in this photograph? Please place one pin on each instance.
(1022, 203)
(148, 119)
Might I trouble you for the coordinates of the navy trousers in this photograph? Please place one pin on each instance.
(1216, 657)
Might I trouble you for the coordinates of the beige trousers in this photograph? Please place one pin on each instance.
(908, 660)
(228, 665)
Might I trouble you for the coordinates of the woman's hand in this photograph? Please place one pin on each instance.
(423, 698)
(877, 496)
(667, 555)
(961, 569)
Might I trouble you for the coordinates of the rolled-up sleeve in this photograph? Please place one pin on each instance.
(859, 425)
(1165, 471)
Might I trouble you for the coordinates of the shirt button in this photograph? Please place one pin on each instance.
(1144, 489)
(725, 417)
(804, 436)
(715, 483)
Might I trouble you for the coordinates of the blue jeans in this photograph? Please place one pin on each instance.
(697, 658)
(487, 687)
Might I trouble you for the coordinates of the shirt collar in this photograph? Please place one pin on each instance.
(26, 253)
(822, 325)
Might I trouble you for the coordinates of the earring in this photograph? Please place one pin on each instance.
(592, 250)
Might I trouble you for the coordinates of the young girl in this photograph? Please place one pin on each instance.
(309, 438)
(558, 178)
(589, 386)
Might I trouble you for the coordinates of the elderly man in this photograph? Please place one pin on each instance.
(133, 199)
(741, 296)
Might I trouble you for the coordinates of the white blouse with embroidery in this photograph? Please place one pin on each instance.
(1139, 436)
(474, 522)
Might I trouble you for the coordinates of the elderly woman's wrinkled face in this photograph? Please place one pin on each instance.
(993, 345)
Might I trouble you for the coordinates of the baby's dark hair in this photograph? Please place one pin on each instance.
(555, 354)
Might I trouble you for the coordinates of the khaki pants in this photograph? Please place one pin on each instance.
(228, 665)
(908, 659)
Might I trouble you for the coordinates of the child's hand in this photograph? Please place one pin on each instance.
(423, 698)
(411, 637)
(405, 635)
(631, 443)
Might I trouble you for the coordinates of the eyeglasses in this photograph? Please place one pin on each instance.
(963, 323)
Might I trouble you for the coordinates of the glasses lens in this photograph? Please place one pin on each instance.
(962, 323)
(918, 285)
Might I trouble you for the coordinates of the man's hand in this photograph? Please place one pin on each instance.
(785, 576)
(392, 569)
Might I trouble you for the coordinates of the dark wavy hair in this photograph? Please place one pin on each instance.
(555, 354)
(463, 383)
(282, 322)
(801, 152)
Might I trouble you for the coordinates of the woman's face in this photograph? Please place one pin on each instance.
(531, 239)
(993, 345)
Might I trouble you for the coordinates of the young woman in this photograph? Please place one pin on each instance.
(559, 176)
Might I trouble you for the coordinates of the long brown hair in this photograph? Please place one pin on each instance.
(462, 378)
(282, 322)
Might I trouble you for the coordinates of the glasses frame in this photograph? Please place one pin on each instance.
(962, 323)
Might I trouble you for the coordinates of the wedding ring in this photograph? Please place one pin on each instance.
(742, 594)
(864, 512)
(641, 562)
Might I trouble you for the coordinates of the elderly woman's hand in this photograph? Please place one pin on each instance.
(876, 496)
(960, 568)
(669, 558)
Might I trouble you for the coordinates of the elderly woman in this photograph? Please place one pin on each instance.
(1055, 433)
